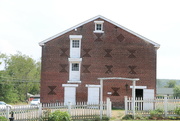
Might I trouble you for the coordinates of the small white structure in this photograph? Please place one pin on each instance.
(118, 78)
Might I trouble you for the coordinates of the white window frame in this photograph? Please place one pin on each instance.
(96, 25)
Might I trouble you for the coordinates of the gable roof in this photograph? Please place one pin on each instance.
(108, 20)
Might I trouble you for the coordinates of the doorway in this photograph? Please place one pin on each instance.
(139, 96)
(139, 93)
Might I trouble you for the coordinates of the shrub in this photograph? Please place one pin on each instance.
(172, 118)
(59, 116)
(177, 111)
(3, 118)
(158, 113)
(104, 118)
(141, 117)
(46, 114)
(128, 117)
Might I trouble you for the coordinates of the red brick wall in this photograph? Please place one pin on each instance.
(112, 50)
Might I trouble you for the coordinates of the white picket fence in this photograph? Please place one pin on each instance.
(167, 104)
(82, 110)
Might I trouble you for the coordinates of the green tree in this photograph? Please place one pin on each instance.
(176, 91)
(24, 74)
(171, 84)
(8, 93)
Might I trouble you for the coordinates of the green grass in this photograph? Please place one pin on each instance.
(149, 120)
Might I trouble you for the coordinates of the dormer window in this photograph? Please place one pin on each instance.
(98, 26)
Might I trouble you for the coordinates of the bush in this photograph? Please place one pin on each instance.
(177, 111)
(104, 118)
(46, 114)
(158, 113)
(59, 116)
(128, 117)
(3, 118)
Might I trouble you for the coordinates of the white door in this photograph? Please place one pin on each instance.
(75, 49)
(148, 94)
(74, 74)
(93, 95)
(70, 95)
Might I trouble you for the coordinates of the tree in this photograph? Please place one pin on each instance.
(24, 74)
(8, 94)
(176, 91)
(171, 84)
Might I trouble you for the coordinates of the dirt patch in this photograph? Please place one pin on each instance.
(117, 115)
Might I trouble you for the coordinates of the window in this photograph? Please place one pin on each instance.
(75, 66)
(98, 26)
(75, 43)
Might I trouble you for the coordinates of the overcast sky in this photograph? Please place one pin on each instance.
(25, 23)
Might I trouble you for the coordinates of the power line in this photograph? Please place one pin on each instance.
(8, 79)
(18, 81)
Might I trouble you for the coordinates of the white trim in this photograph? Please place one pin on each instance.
(78, 60)
(99, 22)
(99, 16)
(75, 37)
(139, 87)
(121, 78)
(93, 86)
(69, 81)
(69, 85)
(98, 31)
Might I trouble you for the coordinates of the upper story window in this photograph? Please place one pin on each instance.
(75, 46)
(98, 27)
(75, 66)
(75, 43)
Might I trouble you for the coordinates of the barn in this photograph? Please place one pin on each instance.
(73, 60)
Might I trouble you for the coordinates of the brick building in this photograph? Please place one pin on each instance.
(73, 60)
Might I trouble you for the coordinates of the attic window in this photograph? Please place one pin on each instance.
(98, 27)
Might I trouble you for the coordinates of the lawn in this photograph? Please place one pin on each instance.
(118, 114)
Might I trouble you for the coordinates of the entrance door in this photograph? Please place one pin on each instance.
(93, 94)
(148, 94)
(69, 93)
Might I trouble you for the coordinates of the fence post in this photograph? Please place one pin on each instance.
(7, 112)
(69, 108)
(126, 108)
(40, 109)
(165, 105)
(108, 105)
